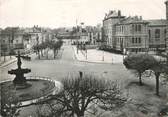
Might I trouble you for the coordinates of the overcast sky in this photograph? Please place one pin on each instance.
(60, 13)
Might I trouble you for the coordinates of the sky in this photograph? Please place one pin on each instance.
(66, 13)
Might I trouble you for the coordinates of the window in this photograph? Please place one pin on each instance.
(139, 28)
(122, 28)
(165, 32)
(136, 40)
(136, 28)
(132, 40)
(139, 40)
(133, 28)
(157, 33)
(149, 32)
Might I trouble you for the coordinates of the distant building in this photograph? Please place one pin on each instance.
(5, 44)
(94, 34)
(14, 39)
(36, 36)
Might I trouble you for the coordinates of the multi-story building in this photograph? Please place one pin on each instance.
(166, 3)
(5, 44)
(109, 22)
(157, 35)
(13, 39)
(36, 36)
(134, 34)
(94, 34)
(131, 35)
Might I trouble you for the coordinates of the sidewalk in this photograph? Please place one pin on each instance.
(8, 60)
(97, 56)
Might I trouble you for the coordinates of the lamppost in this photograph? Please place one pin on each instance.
(77, 47)
(124, 53)
(103, 56)
(86, 53)
(10, 44)
(84, 48)
(103, 46)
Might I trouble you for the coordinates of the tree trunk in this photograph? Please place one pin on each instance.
(54, 54)
(140, 79)
(157, 83)
(4, 58)
(47, 54)
(81, 114)
(42, 53)
(38, 54)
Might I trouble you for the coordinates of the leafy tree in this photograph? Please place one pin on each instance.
(42, 47)
(55, 46)
(139, 63)
(159, 68)
(55, 49)
(37, 50)
(78, 94)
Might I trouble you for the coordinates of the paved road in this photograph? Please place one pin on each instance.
(66, 66)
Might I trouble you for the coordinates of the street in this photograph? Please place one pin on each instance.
(67, 65)
(84, 58)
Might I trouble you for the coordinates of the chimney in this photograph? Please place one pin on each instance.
(140, 17)
(166, 3)
(119, 13)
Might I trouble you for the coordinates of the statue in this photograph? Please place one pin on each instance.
(19, 72)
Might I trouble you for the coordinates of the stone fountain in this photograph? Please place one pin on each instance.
(26, 90)
(19, 72)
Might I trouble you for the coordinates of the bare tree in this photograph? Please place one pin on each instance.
(80, 93)
(8, 101)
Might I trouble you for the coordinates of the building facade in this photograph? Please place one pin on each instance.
(131, 35)
(157, 35)
(5, 44)
(166, 3)
(112, 18)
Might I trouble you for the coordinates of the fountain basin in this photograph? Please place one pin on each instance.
(37, 88)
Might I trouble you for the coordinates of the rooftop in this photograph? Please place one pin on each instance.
(157, 22)
(113, 14)
(130, 20)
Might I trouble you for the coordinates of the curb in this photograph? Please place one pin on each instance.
(8, 63)
(58, 87)
(90, 61)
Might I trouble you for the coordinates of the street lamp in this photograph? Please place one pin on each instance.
(86, 54)
(103, 56)
(124, 53)
(77, 47)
